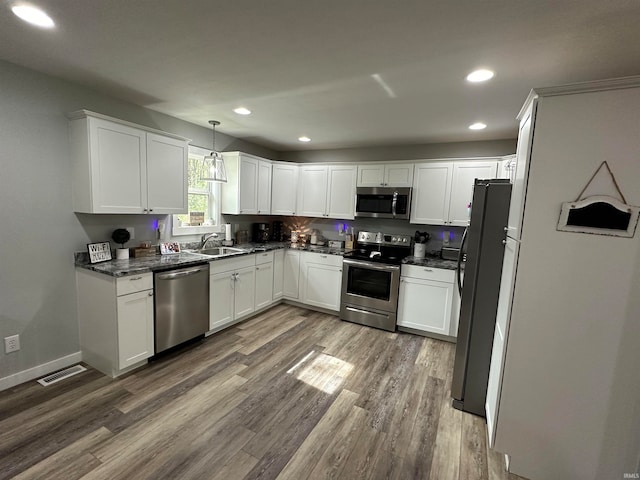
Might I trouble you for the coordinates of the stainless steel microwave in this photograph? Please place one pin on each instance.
(383, 202)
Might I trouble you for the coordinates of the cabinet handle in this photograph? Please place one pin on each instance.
(504, 242)
(257, 268)
(428, 270)
(144, 209)
(151, 210)
(135, 278)
(506, 229)
(151, 294)
(323, 256)
(258, 211)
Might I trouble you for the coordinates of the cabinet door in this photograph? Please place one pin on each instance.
(278, 274)
(321, 285)
(312, 191)
(291, 274)
(264, 188)
(425, 305)
(464, 176)
(370, 175)
(166, 174)
(521, 174)
(264, 285)
(248, 186)
(221, 304)
(245, 288)
(135, 328)
(431, 193)
(398, 175)
(118, 167)
(503, 315)
(341, 192)
(284, 189)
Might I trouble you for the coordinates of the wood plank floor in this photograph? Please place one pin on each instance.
(289, 394)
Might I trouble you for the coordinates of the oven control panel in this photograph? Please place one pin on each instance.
(384, 239)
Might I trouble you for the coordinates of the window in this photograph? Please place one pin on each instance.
(204, 209)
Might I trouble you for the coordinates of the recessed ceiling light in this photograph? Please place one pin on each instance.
(477, 126)
(304, 139)
(480, 76)
(242, 111)
(33, 15)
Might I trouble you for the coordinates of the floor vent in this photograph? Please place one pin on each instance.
(61, 375)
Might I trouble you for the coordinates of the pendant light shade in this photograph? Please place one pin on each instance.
(213, 164)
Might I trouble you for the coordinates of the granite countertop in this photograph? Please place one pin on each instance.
(131, 266)
(431, 261)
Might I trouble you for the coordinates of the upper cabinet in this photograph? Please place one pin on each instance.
(327, 191)
(248, 187)
(442, 191)
(385, 175)
(119, 167)
(284, 188)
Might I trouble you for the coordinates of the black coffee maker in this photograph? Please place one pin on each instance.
(260, 233)
(277, 231)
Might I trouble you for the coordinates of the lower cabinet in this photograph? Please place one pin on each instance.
(232, 290)
(264, 280)
(427, 300)
(116, 320)
(278, 274)
(321, 280)
(291, 279)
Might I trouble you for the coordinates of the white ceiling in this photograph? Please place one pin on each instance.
(306, 67)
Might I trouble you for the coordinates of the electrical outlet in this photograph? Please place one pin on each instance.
(131, 231)
(12, 343)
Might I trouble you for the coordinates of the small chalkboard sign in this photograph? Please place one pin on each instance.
(99, 252)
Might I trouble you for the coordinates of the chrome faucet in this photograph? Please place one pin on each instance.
(205, 238)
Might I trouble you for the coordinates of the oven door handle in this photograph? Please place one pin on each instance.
(371, 265)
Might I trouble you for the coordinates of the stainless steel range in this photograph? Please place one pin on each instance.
(371, 278)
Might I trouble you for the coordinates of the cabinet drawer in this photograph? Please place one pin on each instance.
(133, 283)
(234, 263)
(264, 257)
(429, 273)
(323, 258)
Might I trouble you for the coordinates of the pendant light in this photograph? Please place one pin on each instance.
(213, 164)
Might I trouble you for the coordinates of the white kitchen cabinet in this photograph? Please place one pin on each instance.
(521, 175)
(503, 314)
(284, 188)
(321, 280)
(248, 187)
(442, 191)
(232, 290)
(264, 280)
(278, 274)
(426, 300)
(431, 193)
(385, 175)
(116, 320)
(291, 279)
(119, 167)
(327, 191)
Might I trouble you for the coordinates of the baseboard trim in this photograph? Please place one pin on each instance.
(39, 370)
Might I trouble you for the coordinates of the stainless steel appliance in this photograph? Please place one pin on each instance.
(383, 202)
(181, 305)
(484, 241)
(371, 278)
(260, 232)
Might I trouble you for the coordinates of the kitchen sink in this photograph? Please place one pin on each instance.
(219, 251)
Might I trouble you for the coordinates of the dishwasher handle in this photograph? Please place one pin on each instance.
(180, 274)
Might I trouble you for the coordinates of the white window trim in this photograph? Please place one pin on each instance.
(215, 191)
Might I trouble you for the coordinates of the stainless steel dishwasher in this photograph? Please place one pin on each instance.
(181, 305)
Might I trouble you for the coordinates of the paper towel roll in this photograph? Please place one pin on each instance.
(227, 232)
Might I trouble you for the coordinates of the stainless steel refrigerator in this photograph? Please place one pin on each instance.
(483, 242)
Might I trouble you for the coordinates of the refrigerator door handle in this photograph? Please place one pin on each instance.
(460, 256)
